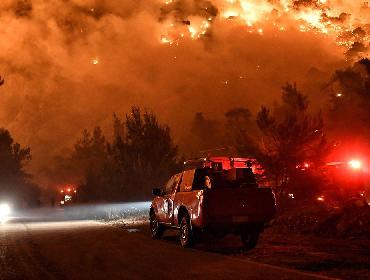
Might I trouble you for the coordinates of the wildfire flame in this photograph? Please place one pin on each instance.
(345, 24)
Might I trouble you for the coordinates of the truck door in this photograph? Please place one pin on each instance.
(168, 197)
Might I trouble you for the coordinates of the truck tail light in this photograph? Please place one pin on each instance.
(200, 197)
(201, 200)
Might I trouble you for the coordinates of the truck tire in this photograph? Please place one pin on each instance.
(156, 229)
(249, 239)
(186, 232)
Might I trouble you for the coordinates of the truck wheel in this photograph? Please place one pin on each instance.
(156, 229)
(186, 233)
(249, 239)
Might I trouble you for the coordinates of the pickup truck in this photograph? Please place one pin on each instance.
(215, 195)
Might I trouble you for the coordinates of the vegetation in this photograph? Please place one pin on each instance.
(292, 139)
(348, 111)
(140, 156)
(15, 185)
(286, 138)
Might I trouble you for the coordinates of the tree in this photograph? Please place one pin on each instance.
(147, 152)
(349, 92)
(89, 158)
(291, 137)
(90, 149)
(205, 135)
(241, 132)
(14, 181)
(12, 158)
(141, 156)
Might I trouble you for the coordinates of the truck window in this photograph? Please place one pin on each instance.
(234, 178)
(199, 178)
(245, 175)
(187, 180)
(171, 184)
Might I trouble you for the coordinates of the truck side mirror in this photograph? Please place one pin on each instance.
(157, 192)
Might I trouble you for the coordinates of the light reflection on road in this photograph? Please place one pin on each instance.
(78, 216)
(110, 211)
(50, 226)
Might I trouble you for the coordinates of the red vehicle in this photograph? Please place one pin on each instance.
(350, 179)
(218, 195)
(67, 195)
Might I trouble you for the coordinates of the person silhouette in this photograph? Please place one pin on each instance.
(207, 182)
(248, 175)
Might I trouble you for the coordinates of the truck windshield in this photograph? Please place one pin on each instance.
(232, 178)
(236, 177)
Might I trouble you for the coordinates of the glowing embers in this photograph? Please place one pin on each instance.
(95, 61)
(321, 198)
(197, 28)
(194, 28)
(303, 166)
(165, 40)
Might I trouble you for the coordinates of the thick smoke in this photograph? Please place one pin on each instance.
(69, 65)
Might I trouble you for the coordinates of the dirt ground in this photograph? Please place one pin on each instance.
(334, 257)
(344, 258)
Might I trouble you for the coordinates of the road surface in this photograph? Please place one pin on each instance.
(94, 250)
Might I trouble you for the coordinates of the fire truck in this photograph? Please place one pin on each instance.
(345, 181)
(67, 195)
(350, 178)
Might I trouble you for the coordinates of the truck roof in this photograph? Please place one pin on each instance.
(219, 163)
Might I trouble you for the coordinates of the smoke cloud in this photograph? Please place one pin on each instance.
(69, 64)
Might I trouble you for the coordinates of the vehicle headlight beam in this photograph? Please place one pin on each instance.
(4, 212)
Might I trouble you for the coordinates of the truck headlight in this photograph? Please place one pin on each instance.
(4, 212)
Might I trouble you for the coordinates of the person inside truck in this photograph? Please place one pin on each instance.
(207, 182)
(248, 175)
(245, 177)
(202, 179)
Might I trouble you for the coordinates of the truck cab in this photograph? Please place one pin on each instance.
(218, 195)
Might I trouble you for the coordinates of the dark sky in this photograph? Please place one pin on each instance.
(69, 65)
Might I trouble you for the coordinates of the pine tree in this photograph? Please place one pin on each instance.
(291, 137)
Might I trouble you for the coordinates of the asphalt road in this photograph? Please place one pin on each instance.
(93, 250)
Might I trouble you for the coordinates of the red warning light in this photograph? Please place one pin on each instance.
(355, 164)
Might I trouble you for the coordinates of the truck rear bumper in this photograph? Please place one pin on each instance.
(236, 226)
(238, 220)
